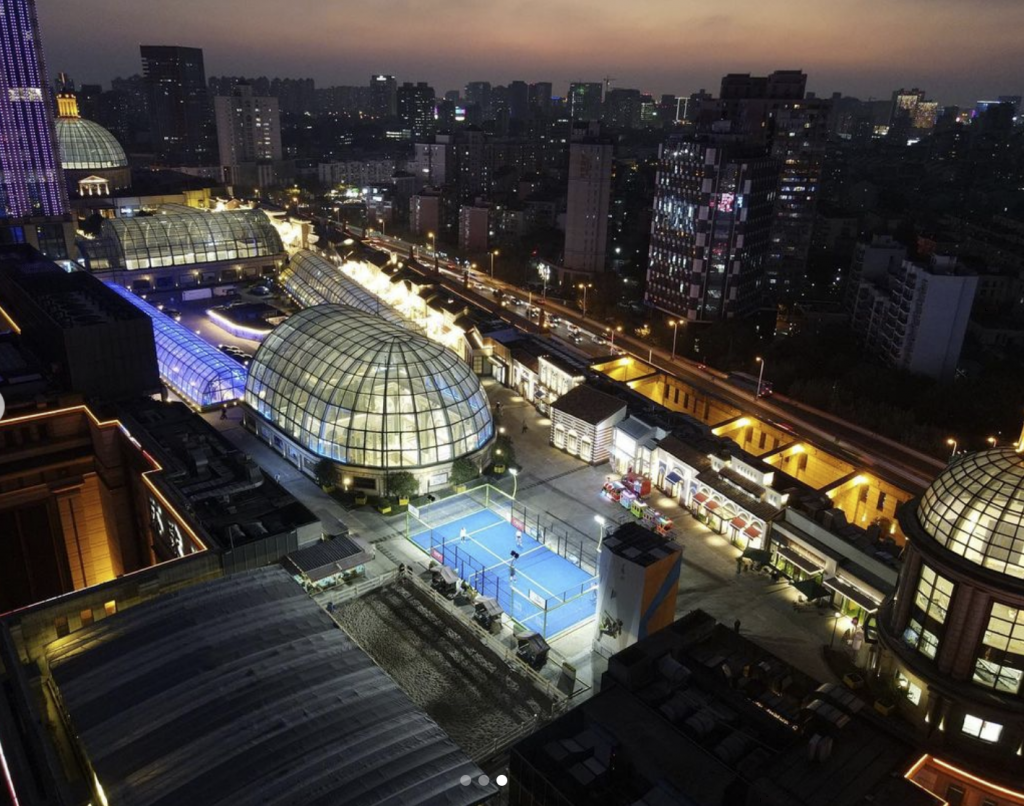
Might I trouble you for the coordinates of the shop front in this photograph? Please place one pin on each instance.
(853, 598)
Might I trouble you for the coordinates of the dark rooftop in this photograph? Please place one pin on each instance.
(222, 488)
(696, 714)
(328, 557)
(586, 403)
(242, 690)
(638, 544)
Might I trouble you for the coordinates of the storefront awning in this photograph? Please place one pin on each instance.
(761, 556)
(859, 597)
(700, 498)
(712, 505)
(812, 589)
(738, 523)
(752, 532)
(673, 478)
(800, 561)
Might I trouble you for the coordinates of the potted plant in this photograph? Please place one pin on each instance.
(403, 485)
(324, 474)
(361, 498)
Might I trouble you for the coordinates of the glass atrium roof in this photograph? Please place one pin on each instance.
(192, 367)
(313, 280)
(87, 146)
(975, 509)
(354, 388)
(182, 237)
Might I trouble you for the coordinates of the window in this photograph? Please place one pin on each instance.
(954, 795)
(61, 625)
(933, 595)
(1000, 662)
(86, 617)
(980, 729)
(908, 688)
(110, 608)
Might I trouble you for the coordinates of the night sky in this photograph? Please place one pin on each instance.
(957, 50)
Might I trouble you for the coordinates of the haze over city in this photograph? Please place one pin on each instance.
(859, 47)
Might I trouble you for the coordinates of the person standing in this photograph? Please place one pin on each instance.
(519, 539)
(463, 534)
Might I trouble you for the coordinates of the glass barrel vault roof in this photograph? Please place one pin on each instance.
(975, 508)
(313, 280)
(361, 391)
(183, 237)
(195, 369)
(87, 146)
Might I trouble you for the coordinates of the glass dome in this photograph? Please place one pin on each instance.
(87, 146)
(354, 388)
(975, 509)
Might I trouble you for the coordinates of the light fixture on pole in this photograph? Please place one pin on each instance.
(381, 222)
(674, 323)
(493, 255)
(992, 441)
(614, 330)
(433, 248)
(601, 521)
(760, 375)
(835, 624)
(515, 481)
(952, 442)
(585, 287)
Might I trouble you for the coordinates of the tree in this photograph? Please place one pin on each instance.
(323, 472)
(463, 471)
(403, 484)
(504, 452)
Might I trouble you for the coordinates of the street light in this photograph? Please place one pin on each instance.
(760, 375)
(433, 248)
(614, 330)
(675, 332)
(991, 441)
(600, 520)
(515, 481)
(952, 453)
(381, 222)
(585, 286)
(494, 254)
(835, 624)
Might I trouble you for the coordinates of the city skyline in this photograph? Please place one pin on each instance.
(957, 60)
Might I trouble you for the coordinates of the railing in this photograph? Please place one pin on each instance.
(559, 699)
(344, 592)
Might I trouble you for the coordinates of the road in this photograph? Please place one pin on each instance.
(903, 466)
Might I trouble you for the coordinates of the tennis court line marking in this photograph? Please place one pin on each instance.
(506, 562)
(460, 518)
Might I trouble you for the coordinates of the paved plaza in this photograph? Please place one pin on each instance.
(559, 484)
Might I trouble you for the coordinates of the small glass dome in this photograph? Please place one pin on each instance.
(352, 387)
(87, 146)
(975, 509)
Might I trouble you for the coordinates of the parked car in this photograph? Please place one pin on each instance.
(173, 313)
(260, 291)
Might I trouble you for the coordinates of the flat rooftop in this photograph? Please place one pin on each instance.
(224, 490)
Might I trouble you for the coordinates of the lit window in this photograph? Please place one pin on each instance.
(110, 608)
(908, 688)
(1000, 662)
(980, 729)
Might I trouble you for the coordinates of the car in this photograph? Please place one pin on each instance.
(173, 313)
(576, 338)
(260, 291)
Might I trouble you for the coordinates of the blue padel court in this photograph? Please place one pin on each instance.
(541, 590)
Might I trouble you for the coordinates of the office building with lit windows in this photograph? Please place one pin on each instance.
(249, 137)
(589, 197)
(332, 382)
(33, 198)
(952, 636)
(710, 229)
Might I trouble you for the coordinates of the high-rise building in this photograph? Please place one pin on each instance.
(478, 94)
(590, 186)
(622, 109)
(31, 182)
(915, 315)
(540, 96)
(416, 108)
(585, 101)
(248, 135)
(383, 96)
(180, 113)
(709, 235)
(518, 100)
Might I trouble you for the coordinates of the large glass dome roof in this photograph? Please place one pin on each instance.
(354, 388)
(87, 146)
(975, 508)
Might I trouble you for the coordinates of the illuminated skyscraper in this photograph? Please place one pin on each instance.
(31, 181)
